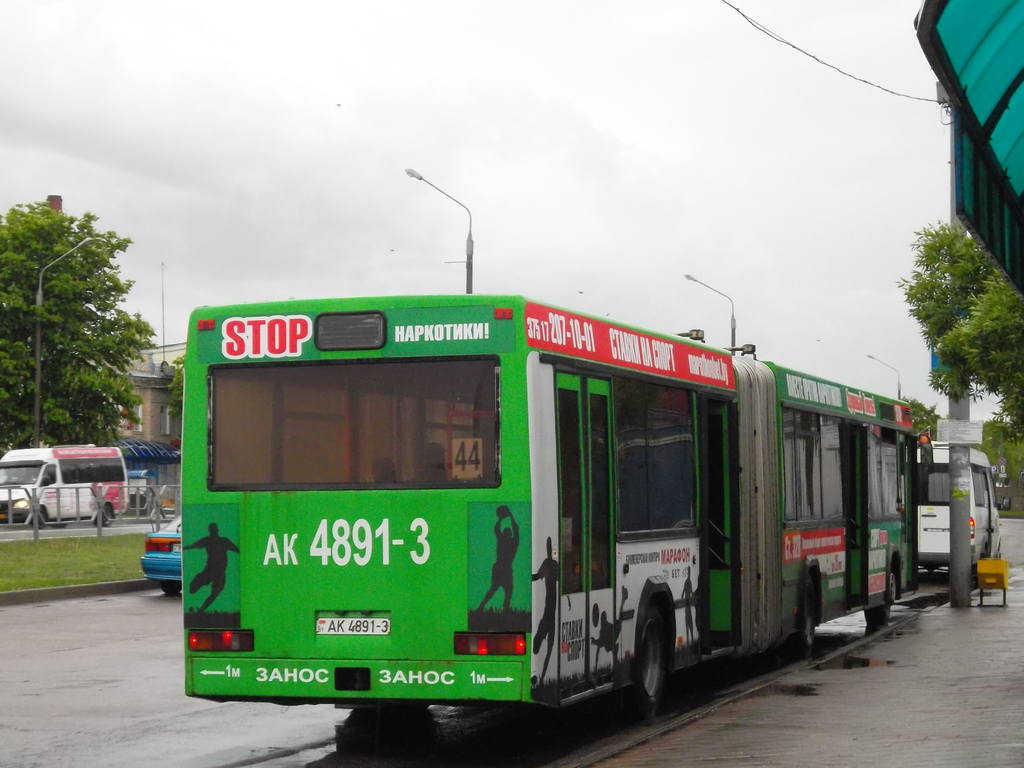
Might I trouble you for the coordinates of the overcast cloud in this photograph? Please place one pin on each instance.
(605, 149)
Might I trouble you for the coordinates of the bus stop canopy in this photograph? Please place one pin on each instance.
(977, 51)
(148, 452)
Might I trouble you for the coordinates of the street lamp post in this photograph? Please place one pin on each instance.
(899, 387)
(732, 305)
(39, 341)
(469, 238)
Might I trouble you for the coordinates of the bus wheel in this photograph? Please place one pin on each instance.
(45, 518)
(41, 515)
(808, 621)
(106, 516)
(878, 616)
(650, 664)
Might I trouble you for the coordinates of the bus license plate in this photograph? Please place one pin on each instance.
(353, 626)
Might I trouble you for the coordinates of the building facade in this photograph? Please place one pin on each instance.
(151, 434)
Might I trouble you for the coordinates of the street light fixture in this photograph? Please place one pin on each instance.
(469, 239)
(899, 388)
(39, 340)
(732, 305)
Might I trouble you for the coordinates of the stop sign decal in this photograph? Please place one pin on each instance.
(273, 336)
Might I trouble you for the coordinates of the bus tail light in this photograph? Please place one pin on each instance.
(489, 644)
(972, 524)
(220, 639)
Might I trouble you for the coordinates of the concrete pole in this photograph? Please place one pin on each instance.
(960, 455)
(960, 513)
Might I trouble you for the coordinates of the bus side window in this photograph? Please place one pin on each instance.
(49, 476)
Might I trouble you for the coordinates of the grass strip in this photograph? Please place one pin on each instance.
(64, 561)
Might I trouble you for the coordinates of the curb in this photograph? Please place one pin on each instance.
(22, 596)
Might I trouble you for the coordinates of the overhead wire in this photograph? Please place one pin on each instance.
(780, 39)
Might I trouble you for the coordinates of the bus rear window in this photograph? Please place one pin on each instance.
(934, 484)
(422, 424)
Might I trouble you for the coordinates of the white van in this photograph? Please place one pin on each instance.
(933, 508)
(74, 482)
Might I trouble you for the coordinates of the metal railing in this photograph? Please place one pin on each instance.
(100, 505)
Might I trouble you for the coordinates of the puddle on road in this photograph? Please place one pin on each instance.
(788, 689)
(930, 600)
(853, 662)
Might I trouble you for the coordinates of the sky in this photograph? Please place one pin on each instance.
(258, 151)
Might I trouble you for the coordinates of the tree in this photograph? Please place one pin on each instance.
(177, 388)
(925, 418)
(973, 319)
(88, 342)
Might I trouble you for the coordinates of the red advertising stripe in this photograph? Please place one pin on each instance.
(876, 583)
(796, 545)
(85, 452)
(903, 416)
(556, 330)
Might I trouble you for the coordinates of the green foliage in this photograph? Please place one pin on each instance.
(925, 418)
(60, 562)
(972, 317)
(89, 343)
(177, 388)
(998, 443)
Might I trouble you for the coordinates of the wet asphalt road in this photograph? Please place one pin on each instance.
(98, 681)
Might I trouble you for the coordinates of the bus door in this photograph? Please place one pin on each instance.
(586, 639)
(721, 525)
(855, 511)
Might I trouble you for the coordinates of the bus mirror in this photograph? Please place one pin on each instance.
(1004, 503)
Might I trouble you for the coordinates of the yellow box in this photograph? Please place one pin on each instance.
(993, 573)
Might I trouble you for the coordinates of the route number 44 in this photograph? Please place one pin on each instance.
(466, 460)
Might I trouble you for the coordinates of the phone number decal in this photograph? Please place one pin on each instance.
(352, 542)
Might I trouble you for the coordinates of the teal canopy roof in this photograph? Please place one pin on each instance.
(976, 48)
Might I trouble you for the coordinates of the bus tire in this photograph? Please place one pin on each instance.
(105, 516)
(808, 621)
(46, 517)
(41, 515)
(650, 664)
(878, 616)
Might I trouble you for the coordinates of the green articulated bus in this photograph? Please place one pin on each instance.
(483, 498)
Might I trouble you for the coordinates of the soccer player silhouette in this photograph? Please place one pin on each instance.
(507, 544)
(548, 571)
(217, 548)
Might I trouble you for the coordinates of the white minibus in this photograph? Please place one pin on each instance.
(933, 508)
(73, 482)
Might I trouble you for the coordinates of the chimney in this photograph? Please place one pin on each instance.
(55, 202)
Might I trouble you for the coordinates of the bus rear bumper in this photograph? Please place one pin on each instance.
(220, 677)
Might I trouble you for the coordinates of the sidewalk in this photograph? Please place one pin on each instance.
(947, 690)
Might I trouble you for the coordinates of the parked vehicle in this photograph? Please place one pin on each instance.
(162, 560)
(73, 482)
(933, 510)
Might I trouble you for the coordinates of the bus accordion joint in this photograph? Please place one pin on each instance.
(478, 644)
(220, 640)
